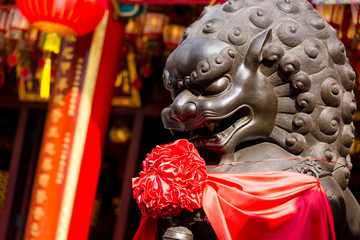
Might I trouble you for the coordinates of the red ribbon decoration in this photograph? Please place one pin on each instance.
(268, 205)
(261, 205)
(173, 178)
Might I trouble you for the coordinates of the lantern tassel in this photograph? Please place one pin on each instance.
(45, 78)
(52, 44)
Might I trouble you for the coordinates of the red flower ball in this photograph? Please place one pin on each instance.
(173, 178)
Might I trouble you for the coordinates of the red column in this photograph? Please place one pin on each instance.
(89, 173)
(70, 156)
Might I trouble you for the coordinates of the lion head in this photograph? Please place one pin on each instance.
(263, 71)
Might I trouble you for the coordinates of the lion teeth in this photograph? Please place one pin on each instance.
(213, 140)
(211, 126)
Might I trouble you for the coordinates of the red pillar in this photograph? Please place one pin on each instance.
(70, 157)
(90, 168)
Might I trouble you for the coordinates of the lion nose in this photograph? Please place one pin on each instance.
(183, 107)
(184, 112)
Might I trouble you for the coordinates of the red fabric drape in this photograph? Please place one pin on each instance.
(268, 205)
(147, 229)
(264, 205)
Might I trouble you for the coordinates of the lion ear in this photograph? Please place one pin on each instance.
(253, 56)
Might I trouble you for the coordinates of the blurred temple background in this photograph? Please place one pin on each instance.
(79, 111)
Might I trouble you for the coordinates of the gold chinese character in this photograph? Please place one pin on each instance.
(66, 145)
(40, 196)
(73, 100)
(78, 72)
(49, 148)
(74, 93)
(60, 177)
(71, 111)
(52, 132)
(77, 81)
(75, 89)
(80, 60)
(58, 99)
(79, 66)
(63, 157)
(71, 38)
(38, 213)
(56, 114)
(47, 164)
(65, 66)
(62, 163)
(65, 149)
(34, 229)
(72, 105)
(43, 179)
(68, 53)
(67, 139)
(62, 84)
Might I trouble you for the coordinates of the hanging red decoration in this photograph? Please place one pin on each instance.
(12, 60)
(59, 17)
(71, 17)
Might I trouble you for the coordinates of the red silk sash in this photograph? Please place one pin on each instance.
(262, 205)
(268, 205)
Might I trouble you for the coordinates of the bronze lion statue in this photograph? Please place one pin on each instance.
(266, 85)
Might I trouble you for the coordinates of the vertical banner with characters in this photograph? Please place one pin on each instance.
(64, 136)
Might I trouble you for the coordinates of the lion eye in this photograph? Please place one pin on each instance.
(216, 87)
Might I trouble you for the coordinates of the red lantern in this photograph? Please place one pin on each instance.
(66, 18)
(71, 17)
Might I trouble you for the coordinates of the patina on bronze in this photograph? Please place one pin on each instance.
(253, 81)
